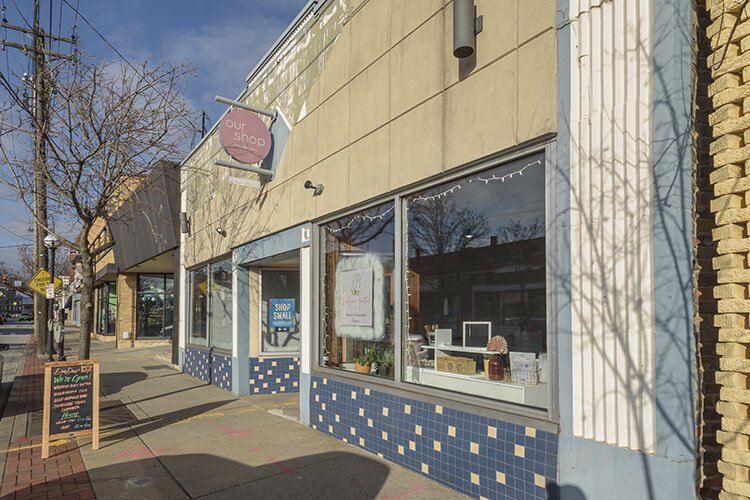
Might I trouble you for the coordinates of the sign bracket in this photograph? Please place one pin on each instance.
(237, 104)
(248, 168)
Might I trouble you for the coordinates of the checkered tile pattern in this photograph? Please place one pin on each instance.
(221, 374)
(476, 455)
(274, 375)
(196, 365)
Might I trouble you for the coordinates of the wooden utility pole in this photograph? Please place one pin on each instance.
(40, 106)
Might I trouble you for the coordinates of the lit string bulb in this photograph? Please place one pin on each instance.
(478, 178)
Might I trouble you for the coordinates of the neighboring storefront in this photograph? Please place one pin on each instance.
(135, 288)
(425, 204)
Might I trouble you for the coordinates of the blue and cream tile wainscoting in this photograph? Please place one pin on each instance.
(197, 365)
(274, 375)
(476, 455)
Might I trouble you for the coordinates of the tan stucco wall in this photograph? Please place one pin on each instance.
(381, 105)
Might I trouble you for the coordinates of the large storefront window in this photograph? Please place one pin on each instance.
(476, 270)
(211, 305)
(473, 286)
(220, 308)
(357, 282)
(155, 305)
(199, 306)
(107, 309)
(280, 315)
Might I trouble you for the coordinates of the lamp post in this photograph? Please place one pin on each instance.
(51, 242)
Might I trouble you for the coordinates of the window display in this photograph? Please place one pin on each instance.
(357, 282)
(155, 305)
(473, 286)
(280, 315)
(476, 268)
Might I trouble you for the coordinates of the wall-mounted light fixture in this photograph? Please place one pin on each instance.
(317, 187)
(466, 25)
(221, 231)
(184, 223)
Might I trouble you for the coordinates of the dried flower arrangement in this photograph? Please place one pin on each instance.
(498, 344)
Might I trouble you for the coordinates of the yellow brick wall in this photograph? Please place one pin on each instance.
(127, 285)
(729, 62)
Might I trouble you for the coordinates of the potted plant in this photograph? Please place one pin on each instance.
(493, 366)
(363, 362)
(386, 360)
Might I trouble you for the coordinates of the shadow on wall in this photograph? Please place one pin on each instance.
(195, 475)
(564, 492)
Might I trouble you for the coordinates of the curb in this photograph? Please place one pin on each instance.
(8, 424)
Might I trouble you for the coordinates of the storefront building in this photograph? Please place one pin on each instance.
(423, 204)
(134, 301)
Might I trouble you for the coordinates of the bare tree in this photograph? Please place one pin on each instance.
(108, 125)
(439, 226)
(28, 263)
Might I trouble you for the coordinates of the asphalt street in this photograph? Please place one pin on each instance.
(16, 335)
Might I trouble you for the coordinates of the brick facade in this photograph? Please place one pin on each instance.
(729, 90)
(127, 285)
(708, 419)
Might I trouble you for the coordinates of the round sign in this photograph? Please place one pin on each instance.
(244, 136)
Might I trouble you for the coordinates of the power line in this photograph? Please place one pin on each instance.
(125, 60)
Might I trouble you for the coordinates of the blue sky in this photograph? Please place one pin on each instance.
(221, 39)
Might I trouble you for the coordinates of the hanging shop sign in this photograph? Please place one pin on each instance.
(281, 314)
(244, 136)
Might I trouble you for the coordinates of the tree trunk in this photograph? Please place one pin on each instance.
(87, 304)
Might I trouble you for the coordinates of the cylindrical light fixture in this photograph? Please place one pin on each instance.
(464, 28)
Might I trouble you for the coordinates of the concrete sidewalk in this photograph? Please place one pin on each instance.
(167, 435)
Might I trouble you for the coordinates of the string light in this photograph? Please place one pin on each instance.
(485, 180)
(360, 216)
(450, 190)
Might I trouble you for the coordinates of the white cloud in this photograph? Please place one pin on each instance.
(223, 53)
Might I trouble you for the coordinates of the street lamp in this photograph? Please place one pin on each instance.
(51, 242)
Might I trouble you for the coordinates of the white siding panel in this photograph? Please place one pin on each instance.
(611, 210)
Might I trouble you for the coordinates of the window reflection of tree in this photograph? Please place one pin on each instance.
(439, 227)
(460, 270)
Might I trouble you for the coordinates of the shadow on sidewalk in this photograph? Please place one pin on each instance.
(112, 383)
(112, 434)
(333, 475)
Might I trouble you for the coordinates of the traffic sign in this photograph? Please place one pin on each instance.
(40, 281)
(50, 291)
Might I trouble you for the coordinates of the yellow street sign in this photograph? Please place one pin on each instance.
(203, 286)
(40, 281)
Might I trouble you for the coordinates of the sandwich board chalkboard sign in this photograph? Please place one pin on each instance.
(71, 401)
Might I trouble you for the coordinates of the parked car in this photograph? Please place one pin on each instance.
(26, 316)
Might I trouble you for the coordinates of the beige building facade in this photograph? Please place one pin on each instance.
(424, 204)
